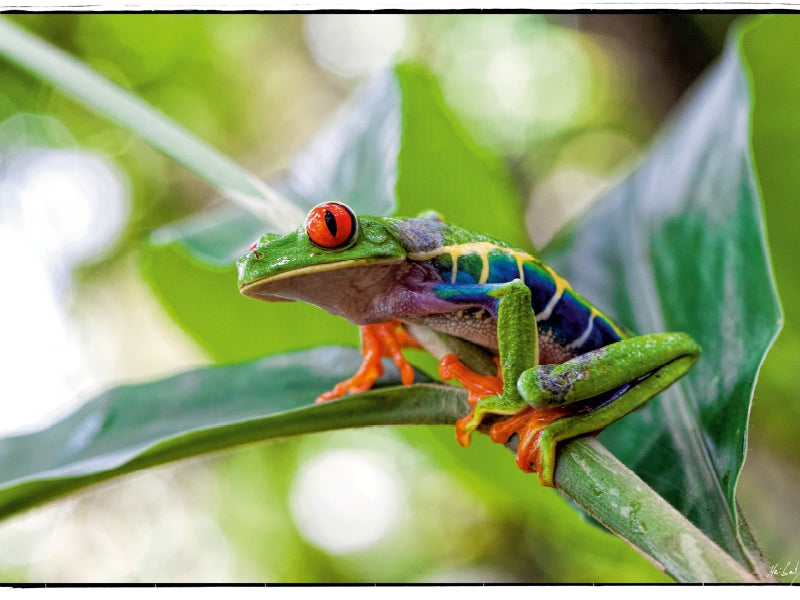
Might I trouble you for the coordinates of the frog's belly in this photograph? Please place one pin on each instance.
(478, 326)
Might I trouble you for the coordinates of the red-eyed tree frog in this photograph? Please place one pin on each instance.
(565, 369)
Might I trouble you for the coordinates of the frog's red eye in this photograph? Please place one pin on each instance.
(331, 225)
(253, 246)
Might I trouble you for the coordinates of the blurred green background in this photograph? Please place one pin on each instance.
(568, 101)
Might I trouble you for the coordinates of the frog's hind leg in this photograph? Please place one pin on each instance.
(545, 404)
(586, 394)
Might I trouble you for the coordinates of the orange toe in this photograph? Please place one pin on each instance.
(377, 341)
(477, 386)
(528, 426)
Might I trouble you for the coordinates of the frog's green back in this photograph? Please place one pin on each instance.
(568, 324)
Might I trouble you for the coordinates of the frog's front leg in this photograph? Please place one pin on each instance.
(377, 341)
(517, 340)
(590, 392)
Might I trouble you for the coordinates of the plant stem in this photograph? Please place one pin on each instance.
(88, 86)
(615, 496)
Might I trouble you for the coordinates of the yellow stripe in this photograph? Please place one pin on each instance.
(586, 332)
(521, 258)
(484, 268)
(482, 249)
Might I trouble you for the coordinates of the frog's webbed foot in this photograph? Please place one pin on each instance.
(536, 449)
(479, 387)
(377, 341)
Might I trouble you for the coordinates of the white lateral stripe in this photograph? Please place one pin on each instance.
(583, 337)
(548, 310)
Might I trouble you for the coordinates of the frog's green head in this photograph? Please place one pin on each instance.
(328, 253)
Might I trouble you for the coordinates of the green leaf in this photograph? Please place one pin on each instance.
(679, 246)
(441, 169)
(138, 426)
(769, 46)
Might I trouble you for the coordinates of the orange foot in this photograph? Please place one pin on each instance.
(477, 386)
(377, 341)
(527, 424)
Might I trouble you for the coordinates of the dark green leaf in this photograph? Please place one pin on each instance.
(679, 246)
(137, 426)
(441, 169)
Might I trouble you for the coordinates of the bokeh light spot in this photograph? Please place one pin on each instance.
(355, 45)
(58, 207)
(73, 202)
(346, 500)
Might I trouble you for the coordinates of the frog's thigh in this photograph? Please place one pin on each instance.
(664, 357)
(680, 352)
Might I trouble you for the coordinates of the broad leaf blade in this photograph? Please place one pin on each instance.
(441, 169)
(137, 426)
(680, 246)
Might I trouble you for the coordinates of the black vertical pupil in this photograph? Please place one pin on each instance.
(330, 223)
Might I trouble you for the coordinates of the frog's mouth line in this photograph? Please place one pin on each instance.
(249, 289)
